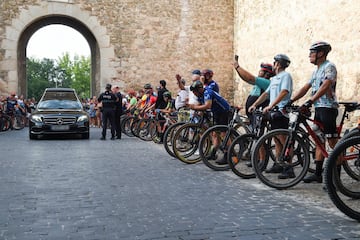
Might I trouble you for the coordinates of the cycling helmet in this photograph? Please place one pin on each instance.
(267, 67)
(167, 94)
(196, 85)
(207, 72)
(321, 46)
(283, 60)
(148, 86)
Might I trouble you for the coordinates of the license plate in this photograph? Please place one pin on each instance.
(60, 127)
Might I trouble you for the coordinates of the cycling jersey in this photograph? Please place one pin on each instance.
(326, 71)
(213, 86)
(261, 84)
(219, 104)
(282, 81)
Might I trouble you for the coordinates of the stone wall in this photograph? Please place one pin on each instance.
(152, 39)
(265, 28)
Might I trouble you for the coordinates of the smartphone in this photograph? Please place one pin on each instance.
(236, 57)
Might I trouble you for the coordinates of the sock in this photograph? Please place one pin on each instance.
(318, 169)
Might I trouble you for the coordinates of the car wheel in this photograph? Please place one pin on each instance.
(85, 135)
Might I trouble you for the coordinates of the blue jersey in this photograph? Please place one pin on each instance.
(219, 104)
(213, 86)
(326, 71)
(282, 81)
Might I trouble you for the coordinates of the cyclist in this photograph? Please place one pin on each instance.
(220, 108)
(279, 91)
(323, 84)
(261, 83)
(208, 80)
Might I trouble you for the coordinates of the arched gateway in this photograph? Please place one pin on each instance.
(36, 17)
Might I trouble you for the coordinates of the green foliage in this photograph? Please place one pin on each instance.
(64, 72)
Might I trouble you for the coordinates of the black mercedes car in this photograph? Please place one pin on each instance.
(59, 111)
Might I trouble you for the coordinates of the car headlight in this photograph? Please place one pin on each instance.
(83, 118)
(36, 118)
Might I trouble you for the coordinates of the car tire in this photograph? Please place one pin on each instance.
(85, 136)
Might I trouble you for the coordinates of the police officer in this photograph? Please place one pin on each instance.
(108, 100)
(118, 111)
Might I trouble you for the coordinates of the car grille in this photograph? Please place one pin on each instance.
(59, 120)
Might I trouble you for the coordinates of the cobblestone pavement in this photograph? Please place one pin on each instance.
(130, 189)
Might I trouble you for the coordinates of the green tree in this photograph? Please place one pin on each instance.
(81, 76)
(64, 72)
(40, 75)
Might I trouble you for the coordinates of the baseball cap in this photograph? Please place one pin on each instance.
(196, 72)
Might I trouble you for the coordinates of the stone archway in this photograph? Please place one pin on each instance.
(64, 20)
(29, 20)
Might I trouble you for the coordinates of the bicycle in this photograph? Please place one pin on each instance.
(290, 147)
(211, 152)
(343, 189)
(239, 152)
(186, 139)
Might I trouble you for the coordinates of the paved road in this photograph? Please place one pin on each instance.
(129, 189)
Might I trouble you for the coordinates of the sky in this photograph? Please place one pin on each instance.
(53, 41)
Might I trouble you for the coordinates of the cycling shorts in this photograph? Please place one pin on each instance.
(327, 117)
(278, 120)
(221, 118)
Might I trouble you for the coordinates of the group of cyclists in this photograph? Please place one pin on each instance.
(273, 93)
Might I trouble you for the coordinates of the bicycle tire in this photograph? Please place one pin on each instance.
(186, 142)
(206, 146)
(337, 184)
(126, 126)
(168, 136)
(239, 156)
(347, 165)
(300, 155)
(144, 128)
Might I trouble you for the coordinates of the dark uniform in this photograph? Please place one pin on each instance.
(118, 113)
(108, 100)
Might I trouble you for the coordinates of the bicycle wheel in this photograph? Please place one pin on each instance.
(343, 190)
(169, 135)
(239, 156)
(290, 154)
(126, 126)
(145, 127)
(185, 143)
(212, 146)
(351, 167)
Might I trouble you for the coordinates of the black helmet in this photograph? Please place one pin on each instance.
(167, 94)
(321, 46)
(283, 60)
(196, 85)
(148, 86)
(108, 86)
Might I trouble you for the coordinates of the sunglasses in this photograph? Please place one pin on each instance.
(312, 51)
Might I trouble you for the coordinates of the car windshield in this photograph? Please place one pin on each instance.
(59, 100)
(59, 104)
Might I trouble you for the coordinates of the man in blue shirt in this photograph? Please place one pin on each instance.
(209, 99)
(279, 91)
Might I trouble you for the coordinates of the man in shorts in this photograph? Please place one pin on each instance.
(323, 85)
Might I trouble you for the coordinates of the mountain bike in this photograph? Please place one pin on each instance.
(186, 139)
(344, 189)
(291, 147)
(215, 141)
